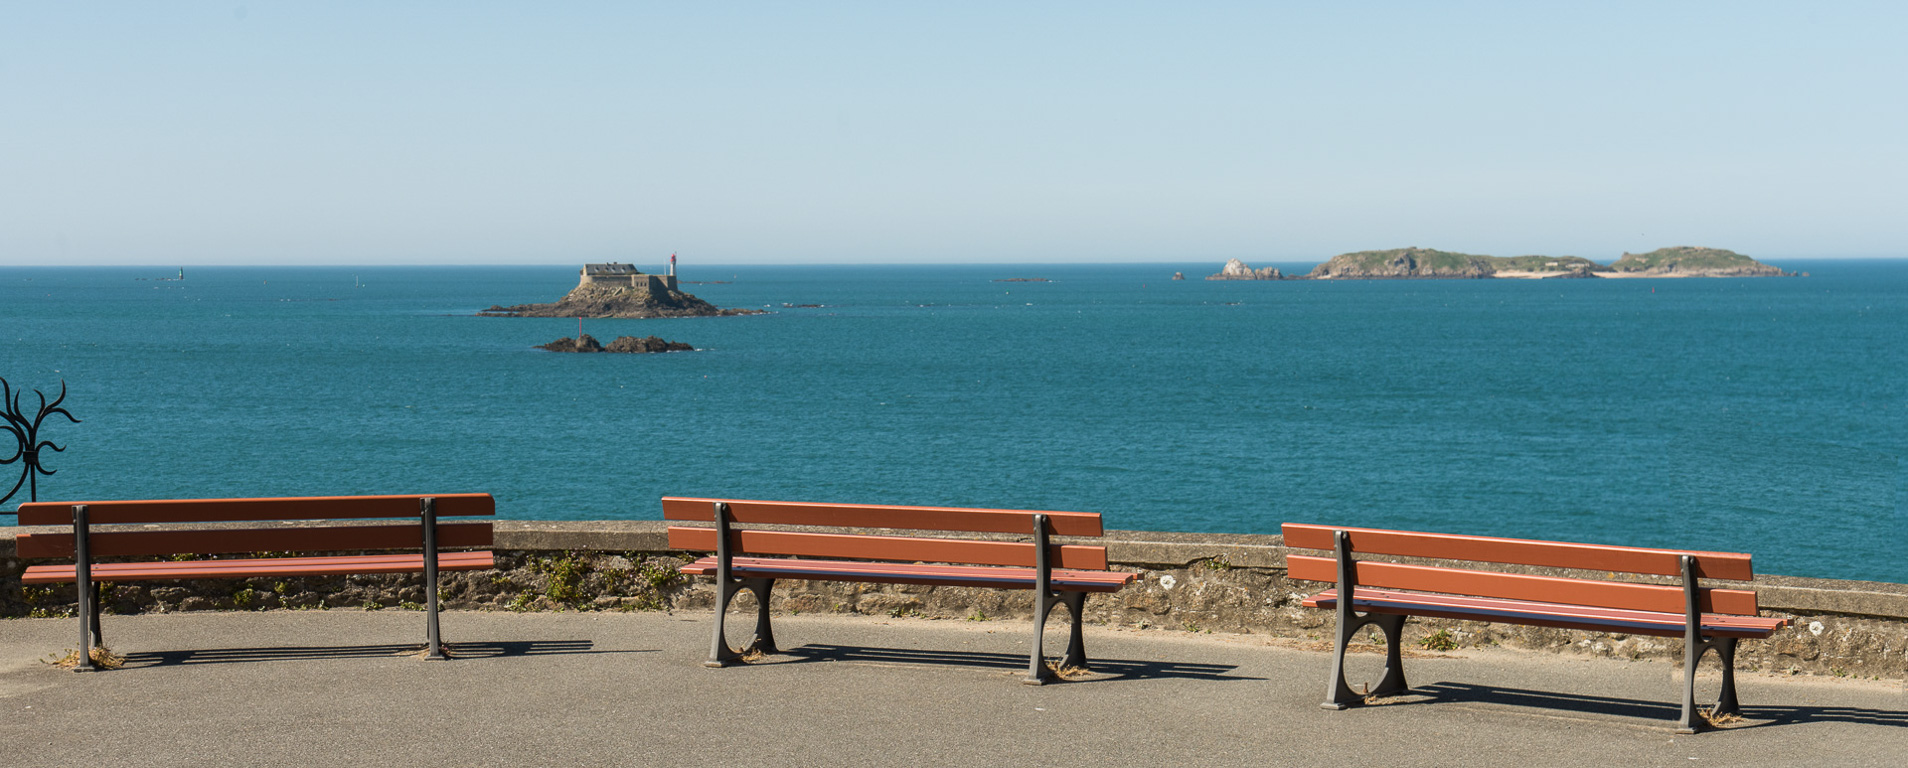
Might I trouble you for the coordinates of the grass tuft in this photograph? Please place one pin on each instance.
(1440, 640)
(103, 658)
(1718, 721)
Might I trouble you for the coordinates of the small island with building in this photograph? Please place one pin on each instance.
(621, 290)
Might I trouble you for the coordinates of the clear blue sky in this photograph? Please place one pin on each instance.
(522, 133)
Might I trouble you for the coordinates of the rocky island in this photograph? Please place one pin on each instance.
(1237, 270)
(1430, 263)
(620, 290)
(1685, 261)
(629, 344)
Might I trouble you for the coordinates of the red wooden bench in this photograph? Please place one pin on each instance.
(1056, 573)
(185, 533)
(1706, 618)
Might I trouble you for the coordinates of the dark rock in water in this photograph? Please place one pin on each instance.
(1179, 275)
(613, 300)
(582, 343)
(646, 344)
(632, 344)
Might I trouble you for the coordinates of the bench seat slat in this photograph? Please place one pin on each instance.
(239, 568)
(881, 516)
(825, 545)
(233, 510)
(1518, 586)
(911, 573)
(1329, 598)
(1548, 554)
(115, 543)
(1547, 614)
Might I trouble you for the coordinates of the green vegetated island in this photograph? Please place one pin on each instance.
(1429, 263)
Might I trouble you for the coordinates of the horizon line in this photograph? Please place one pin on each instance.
(1221, 262)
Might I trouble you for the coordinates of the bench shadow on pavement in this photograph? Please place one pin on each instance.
(1753, 716)
(1103, 669)
(469, 650)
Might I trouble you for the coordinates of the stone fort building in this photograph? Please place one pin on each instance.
(615, 275)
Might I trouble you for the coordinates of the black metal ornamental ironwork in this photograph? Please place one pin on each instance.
(27, 433)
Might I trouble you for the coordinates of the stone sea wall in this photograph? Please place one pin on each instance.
(1187, 583)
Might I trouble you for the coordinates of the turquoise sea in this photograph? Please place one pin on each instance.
(1756, 415)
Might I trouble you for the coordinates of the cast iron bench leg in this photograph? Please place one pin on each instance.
(433, 643)
(99, 599)
(1726, 703)
(764, 640)
(1393, 681)
(1339, 694)
(1076, 642)
(1037, 672)
(1692, 719)
(1694, 646)
(1044, 599)
(1036, 664)
(89, 626)
(720, 654)
(87, 590)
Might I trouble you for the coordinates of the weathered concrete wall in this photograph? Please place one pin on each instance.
(1187, 582)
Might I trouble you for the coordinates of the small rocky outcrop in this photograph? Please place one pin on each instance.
(1688, 261)
(629, 344)
(632, 344)
(1179, 275)
(582, 343)
(1237, 270)
(600, 300)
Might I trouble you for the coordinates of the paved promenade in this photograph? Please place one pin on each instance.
(334, 688)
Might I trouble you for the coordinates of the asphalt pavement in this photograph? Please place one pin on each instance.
(344, 687)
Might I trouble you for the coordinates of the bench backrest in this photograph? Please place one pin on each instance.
(857, 546)
(116, 542)
(1664, 598)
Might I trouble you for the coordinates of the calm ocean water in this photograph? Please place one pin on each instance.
(1756, 415)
